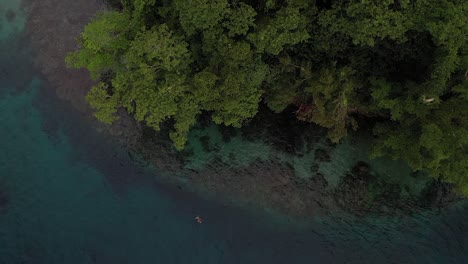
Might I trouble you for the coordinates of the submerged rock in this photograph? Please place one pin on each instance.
(321, 155)
(360, 192)
(228, 133)
(319, 181)
(352, 193)
(439, 195)
(10, 15)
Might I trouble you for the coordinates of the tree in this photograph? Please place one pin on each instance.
(403, 61)
(103, 41)
(333, 94)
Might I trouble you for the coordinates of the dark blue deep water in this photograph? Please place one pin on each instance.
(68, 195)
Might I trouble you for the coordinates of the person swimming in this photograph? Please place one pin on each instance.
(199, 219)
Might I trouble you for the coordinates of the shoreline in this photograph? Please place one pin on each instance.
(52, 28)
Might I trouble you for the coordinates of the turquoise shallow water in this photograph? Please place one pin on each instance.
(68, 195)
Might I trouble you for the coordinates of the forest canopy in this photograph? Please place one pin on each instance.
(400, 65)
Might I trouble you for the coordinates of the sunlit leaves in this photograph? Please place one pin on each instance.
(288, 27)
(240, 19)
(103, 41)
(197, 15)
(104, 104)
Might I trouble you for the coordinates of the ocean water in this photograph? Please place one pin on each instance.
(70, 195)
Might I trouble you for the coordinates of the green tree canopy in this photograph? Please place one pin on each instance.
(399, 64)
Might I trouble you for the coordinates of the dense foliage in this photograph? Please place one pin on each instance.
(399, 64)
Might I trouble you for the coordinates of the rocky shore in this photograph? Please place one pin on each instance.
(275, 183)
(266, 181)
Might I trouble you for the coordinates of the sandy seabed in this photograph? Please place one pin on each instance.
(53, 27)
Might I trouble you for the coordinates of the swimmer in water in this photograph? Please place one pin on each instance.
(199, 219)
